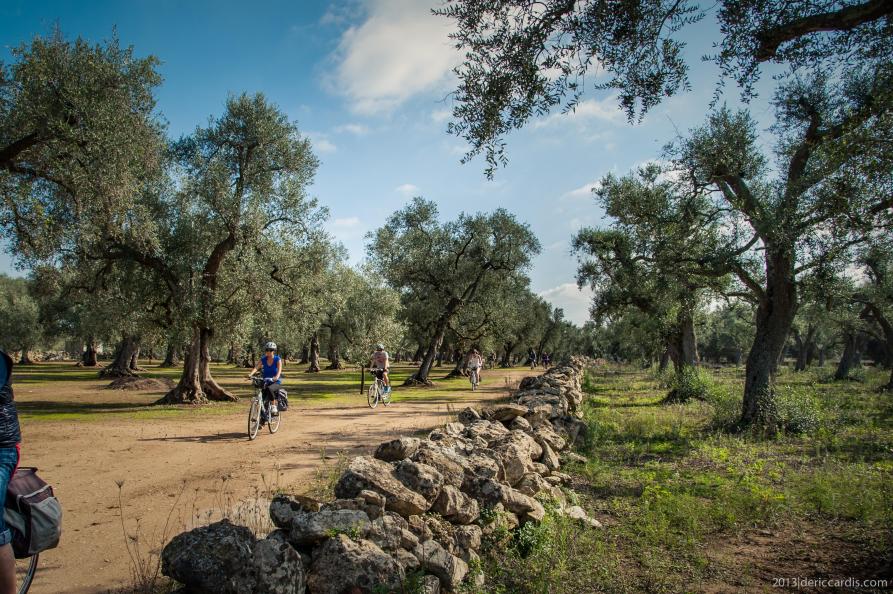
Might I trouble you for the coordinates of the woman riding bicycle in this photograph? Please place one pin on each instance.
(475, 363)
(271, 364)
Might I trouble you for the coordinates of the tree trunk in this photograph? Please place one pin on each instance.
(313, 358)
(418, 354)
(847, 358)
(461, 368)
(664, 360)
(421, 375)
(821, 362)
(507, 356)
(26, 359)
(800, 365)
(88, 358)
(335, 358)
(171, 357)
(774, 317)
(196, 384)
(120, 365)
(305, 355)
(134, 360)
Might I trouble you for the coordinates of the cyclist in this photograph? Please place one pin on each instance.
(531, 357)
(475, 362)
(381, 361)
(271, 364)
(10, 436)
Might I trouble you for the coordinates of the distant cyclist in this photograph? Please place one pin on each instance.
(272, 374)
(531, 357)
(380, 360)
(475, 363)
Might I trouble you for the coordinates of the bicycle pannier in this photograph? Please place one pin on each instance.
(32, 513)
(282, 400)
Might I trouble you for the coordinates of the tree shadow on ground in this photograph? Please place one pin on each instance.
(217, 437)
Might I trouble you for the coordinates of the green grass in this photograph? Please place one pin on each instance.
(64, 392)
(674, 488)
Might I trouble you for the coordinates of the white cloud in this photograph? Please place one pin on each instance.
(574, 301)
(584, 191)
(439, 116)
(321, 142)
(355, 129)
(346, 229)
(602, 110)
(407, 189)
(341, 12)
(400, 50)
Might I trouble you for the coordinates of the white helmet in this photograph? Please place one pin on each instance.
(379, 347)
(271, 346)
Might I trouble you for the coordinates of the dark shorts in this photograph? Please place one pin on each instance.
(9, 459)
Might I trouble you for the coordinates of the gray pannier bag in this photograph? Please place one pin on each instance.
(32, 513)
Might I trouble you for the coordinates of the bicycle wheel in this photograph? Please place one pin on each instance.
(372, 395)
(254, 418)
(273, 424)
(25, 570)
(385, 396)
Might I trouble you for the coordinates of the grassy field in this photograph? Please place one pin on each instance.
(64, 392)
(688, 506)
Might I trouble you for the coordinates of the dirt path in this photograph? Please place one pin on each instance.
(189, 468)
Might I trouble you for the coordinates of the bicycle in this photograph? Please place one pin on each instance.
(474, 378)
(26, 567)
(377, 392)
(259, 411)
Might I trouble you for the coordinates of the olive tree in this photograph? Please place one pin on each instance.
(524, 59)
(447, 264)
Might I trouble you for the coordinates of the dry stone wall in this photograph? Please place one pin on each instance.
(413, 513)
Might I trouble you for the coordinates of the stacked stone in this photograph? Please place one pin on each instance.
(416, 508)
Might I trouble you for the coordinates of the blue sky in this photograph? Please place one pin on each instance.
(368, 81)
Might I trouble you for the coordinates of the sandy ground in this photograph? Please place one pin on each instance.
(184, 470)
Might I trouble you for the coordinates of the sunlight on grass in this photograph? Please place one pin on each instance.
(65, 392)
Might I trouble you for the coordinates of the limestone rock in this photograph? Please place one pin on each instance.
(421, 478)
(311, 528)
(369, 473)
(576, 512)
(468, 537)
(504, 413)
(456, 506)
(279, 567)
(448, 463)
(397, 449)
(447, 567)
(214, 558)
(343, 565)
(469, 415)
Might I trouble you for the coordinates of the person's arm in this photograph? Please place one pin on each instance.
(253, 371)
(278, 369)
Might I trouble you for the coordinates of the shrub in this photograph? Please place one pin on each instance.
(691, 383)
(797, 409)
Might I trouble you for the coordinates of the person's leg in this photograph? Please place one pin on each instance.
(386, 380)
(9, 459)
(7, 570)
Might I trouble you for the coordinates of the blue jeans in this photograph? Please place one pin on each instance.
(9, 459)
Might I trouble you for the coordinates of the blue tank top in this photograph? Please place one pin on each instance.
(270, 370)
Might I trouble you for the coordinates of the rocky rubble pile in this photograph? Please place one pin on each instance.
(413, 514)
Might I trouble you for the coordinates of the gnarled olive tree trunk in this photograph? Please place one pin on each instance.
(120, 365)
(848, 357)
(171, 356)
(88, 357)
(774, 316)
(314, 354)
(420, 377)
(196, 385)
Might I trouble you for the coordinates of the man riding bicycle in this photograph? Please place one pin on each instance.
(272, 374)
(475, 363)
(380, 360)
